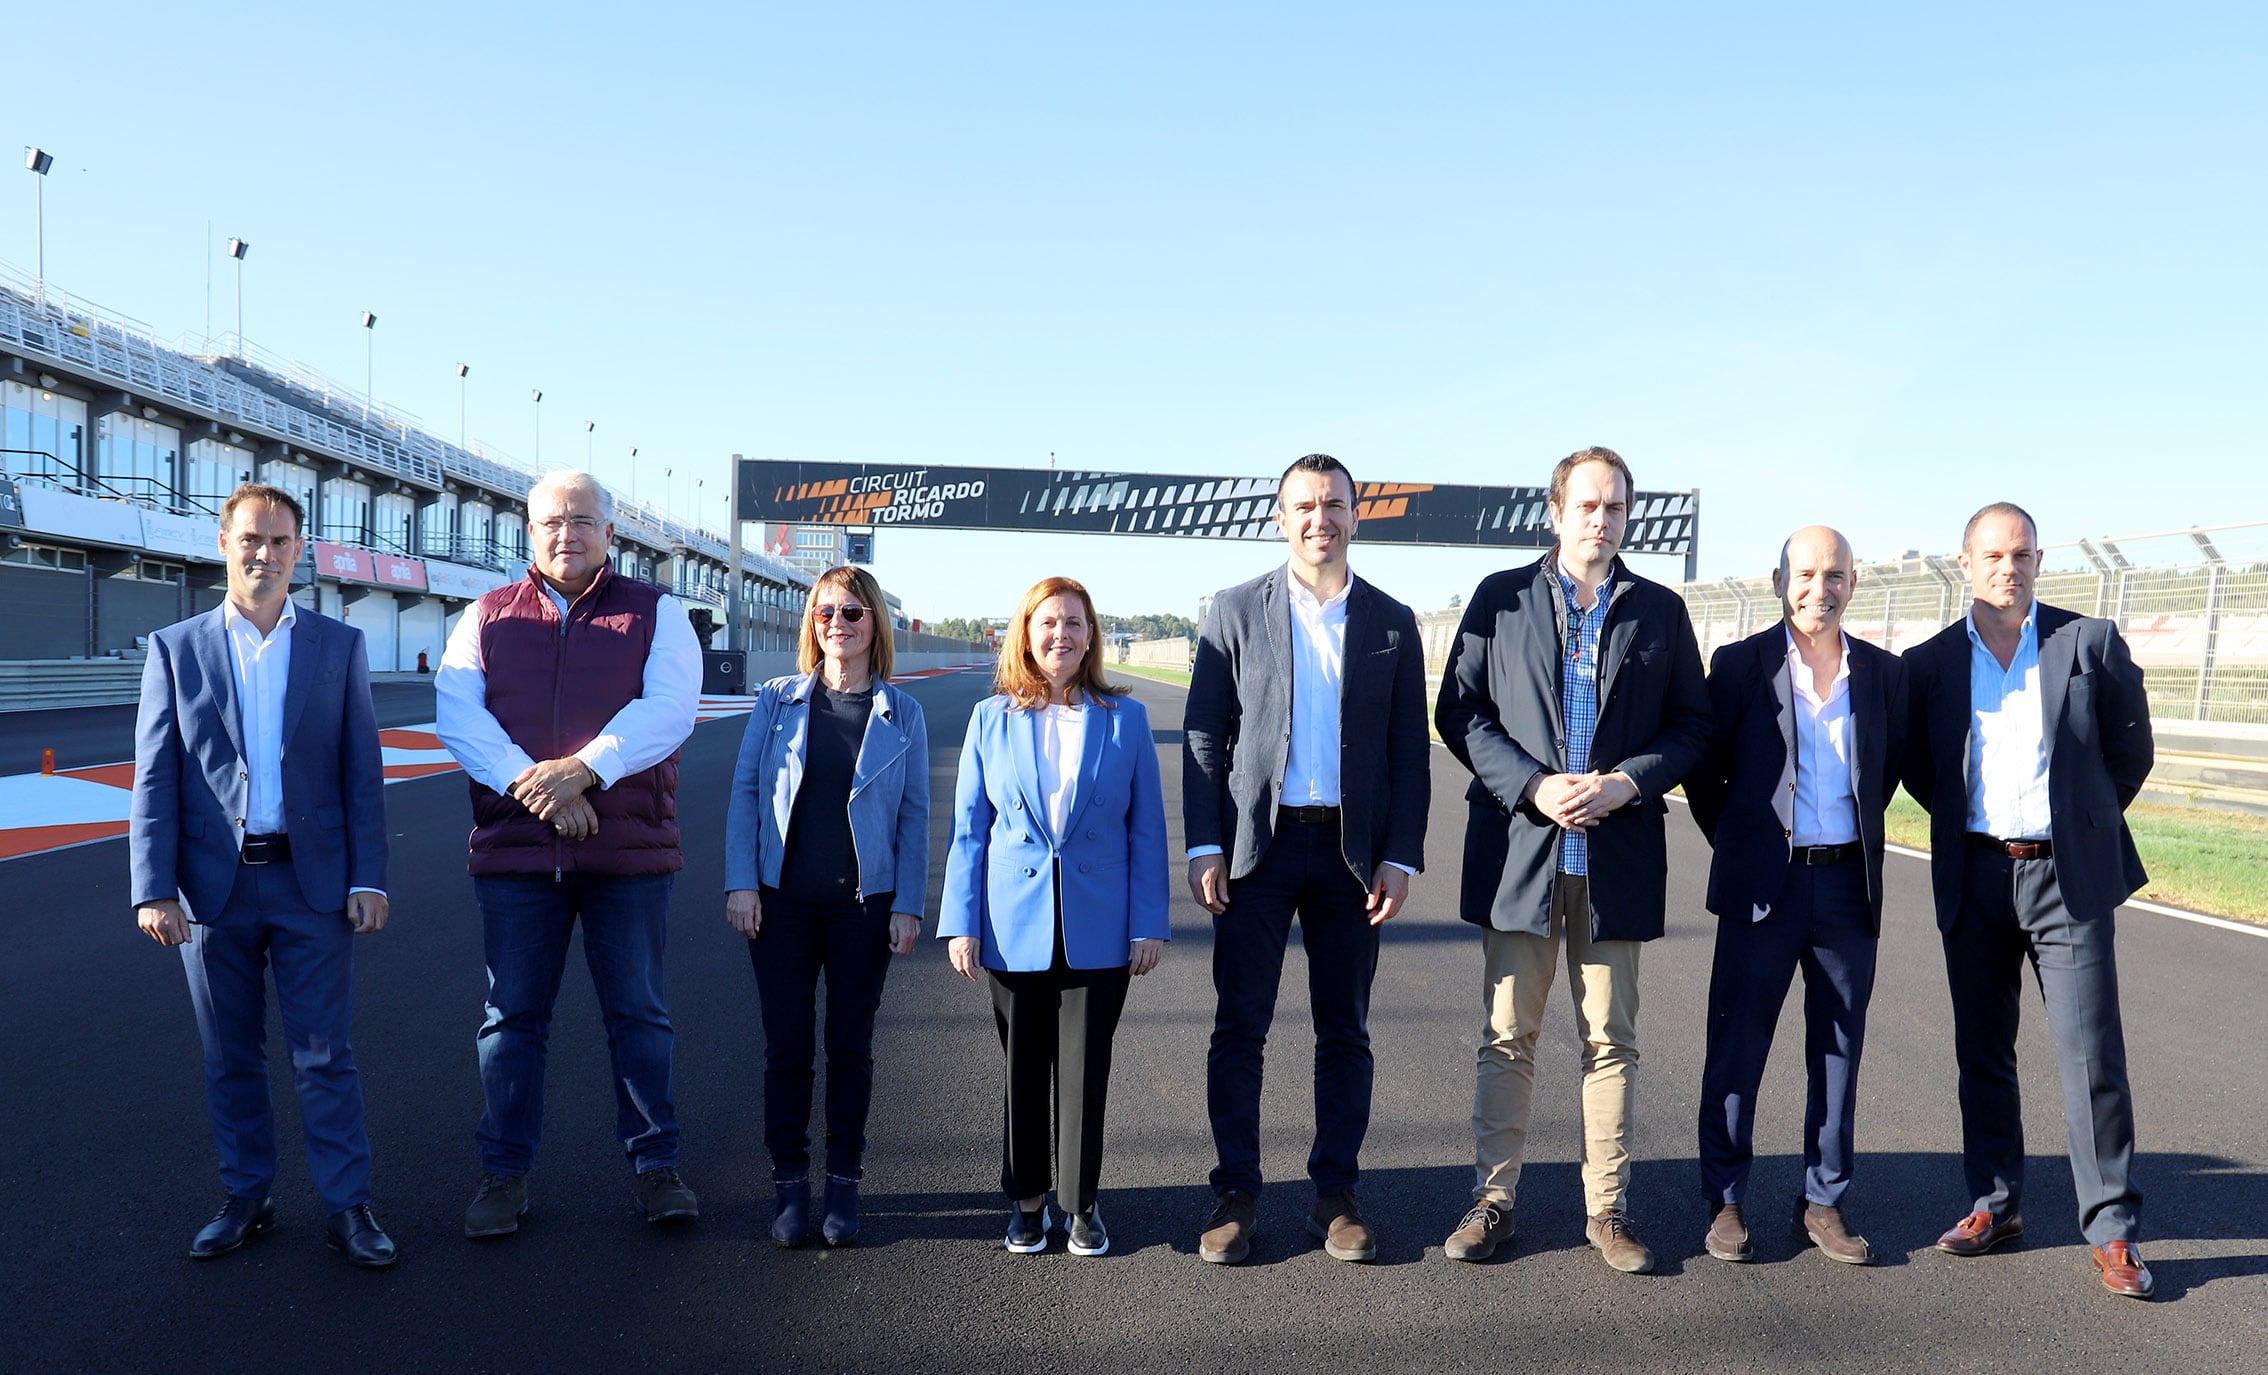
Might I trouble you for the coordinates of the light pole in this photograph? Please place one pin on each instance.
(39, 162)
(369, 359)
(590, 443)
(537, 397)
(668, 492)
(237, 248)
(462, 369)
(633, 475)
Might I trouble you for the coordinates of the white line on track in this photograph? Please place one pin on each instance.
(2158, 909)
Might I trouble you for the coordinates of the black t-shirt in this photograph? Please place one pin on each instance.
(820, 864)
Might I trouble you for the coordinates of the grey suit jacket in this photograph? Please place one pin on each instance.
(2099, 753)
(1237, 728)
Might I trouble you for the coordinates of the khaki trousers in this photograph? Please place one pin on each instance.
(1603, 977)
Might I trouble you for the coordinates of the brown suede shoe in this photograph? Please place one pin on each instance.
(1611, 1233)
(1979, 1232)
(1336, 1220)
(1824, 1226)
(1487, 1226)
(1228, 1233)
(1728, 1235)
(2123, 1270)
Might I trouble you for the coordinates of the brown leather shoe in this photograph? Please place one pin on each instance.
(1228, 1233)
(1979, 1232)
(1345, 1235)
(1728, 1235)
(1611, 1233)
(2123, 1270)
(1824, 1226)
(1487, 1226)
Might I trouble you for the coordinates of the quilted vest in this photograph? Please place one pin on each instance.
(553, 693)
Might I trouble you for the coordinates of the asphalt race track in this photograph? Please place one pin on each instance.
(108, 1164)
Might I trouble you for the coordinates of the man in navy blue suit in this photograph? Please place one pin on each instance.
(259, 840)
(1810, 730)
(2031, 735)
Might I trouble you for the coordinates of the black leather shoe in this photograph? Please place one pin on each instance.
(356, 1233)
(791, 1212)
(238, 1221)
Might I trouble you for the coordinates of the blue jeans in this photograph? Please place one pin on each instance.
(1302, 873)
(526, 922)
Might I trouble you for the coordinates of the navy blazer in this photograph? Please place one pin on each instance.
(191, 777)
(1500, 714)
(1002, 873)
(2099, 753)
(1743, 797)
(1237, 728)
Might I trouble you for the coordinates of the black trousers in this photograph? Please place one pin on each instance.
(850, 943)
(1056, 1026)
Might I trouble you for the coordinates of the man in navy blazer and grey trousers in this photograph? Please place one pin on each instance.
(2031, 735)
(1305, 782)
(1810, 730)
(258, 840)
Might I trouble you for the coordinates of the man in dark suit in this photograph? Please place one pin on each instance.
(1574, 694)
(258, 839)
(1810, 729)
(1305, 781)
(2031, 735)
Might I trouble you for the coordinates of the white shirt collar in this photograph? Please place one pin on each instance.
(1301, 593)
(236, 620)
(2027, 633)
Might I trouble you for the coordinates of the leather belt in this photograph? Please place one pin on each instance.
(1309, 816)
(1816, 855)
(268, 849)
(2014, 849)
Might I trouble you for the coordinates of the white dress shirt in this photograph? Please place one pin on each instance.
(643, 733)
(1062, 742)
(1319, 667)
(263, 674)
(2008, 753)
(263, 671)
(1826, 790)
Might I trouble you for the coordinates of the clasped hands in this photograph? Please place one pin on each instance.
(553, 790)
(1577, 801)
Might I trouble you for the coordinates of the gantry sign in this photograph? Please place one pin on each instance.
(913, 497)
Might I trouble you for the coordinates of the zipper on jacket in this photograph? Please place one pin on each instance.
(558, 671)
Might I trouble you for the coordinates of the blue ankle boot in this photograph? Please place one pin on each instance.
(840, 1226)
(791, 1212)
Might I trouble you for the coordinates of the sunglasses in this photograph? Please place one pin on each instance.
(851, 612)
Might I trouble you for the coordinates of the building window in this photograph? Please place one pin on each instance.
(346, 512)
(42, 432)
(295, 478)
(392, 515)
(212, 472)
(135, 458)
(47, 556)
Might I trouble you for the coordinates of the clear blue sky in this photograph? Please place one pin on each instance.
(1871, 267)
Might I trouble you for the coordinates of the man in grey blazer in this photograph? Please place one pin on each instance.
(2031, 734)
(258, 841)
(1305, 782)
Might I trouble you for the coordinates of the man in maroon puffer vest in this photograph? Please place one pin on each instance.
(565, 696)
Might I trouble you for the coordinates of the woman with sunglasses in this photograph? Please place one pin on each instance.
(1056, 887)
(826, 878)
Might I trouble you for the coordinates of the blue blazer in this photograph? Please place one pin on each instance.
(191, 779)
(889, 798)
(1002, 872)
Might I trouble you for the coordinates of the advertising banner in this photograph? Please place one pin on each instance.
(183, 536)
(341, 564)
(457, 580)
(1204, 507)
(398, 572)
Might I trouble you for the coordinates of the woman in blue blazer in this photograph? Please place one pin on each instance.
(1056, 886)
(837, 761)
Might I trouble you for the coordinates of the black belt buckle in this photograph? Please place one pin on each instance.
(1310, 816)
(1818, 856)
(267, 849)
